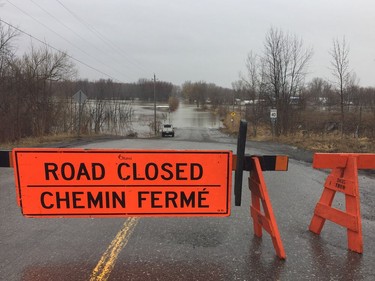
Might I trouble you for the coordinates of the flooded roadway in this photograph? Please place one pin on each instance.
(189, 248)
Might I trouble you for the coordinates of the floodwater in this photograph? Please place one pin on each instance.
(185, 116)
(189, 116)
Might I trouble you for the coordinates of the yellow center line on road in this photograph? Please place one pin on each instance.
(107, 262)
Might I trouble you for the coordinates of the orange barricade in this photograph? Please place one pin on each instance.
(259, 194)
(343, 178)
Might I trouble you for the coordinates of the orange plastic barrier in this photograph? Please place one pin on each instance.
(343, 178)
(267, 220)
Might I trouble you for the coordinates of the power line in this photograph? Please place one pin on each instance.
(50, 29)
(59, 21)
(69, 56)
(77, 34)
(102, 37)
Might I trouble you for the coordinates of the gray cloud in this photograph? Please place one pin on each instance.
(183, 40)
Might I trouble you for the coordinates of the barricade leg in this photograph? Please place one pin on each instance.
(343, 180)
(352, 202)
(267, 221)
(326, 199)
(255, 210)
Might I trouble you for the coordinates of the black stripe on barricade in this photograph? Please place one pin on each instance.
(267, 162)
(5, 158)
(241, 145)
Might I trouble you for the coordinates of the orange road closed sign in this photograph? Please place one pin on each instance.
(115, 183)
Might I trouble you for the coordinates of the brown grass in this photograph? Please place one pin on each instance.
(317, 142)
(38, 141)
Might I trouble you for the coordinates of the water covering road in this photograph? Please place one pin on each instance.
(190, 248)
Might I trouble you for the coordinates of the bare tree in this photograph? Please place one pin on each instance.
(40, 69)
(340, 71)
(319, 92)
(252, 84)
(7, 48)
(285, 63)
(7, 85)
(280, 73)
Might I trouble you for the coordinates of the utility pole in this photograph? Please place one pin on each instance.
(154, 104)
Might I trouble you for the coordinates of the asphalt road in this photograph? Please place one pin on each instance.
(191, 248)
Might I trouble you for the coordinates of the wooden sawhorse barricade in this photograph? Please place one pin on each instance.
(259, 197)
(255, 165)
(343, 178)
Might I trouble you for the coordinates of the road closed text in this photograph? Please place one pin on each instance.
(125, 171)
(84, 183)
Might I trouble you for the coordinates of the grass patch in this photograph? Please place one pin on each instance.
(316, 142)
(43, 140)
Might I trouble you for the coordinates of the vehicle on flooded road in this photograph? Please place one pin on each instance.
(167, 130)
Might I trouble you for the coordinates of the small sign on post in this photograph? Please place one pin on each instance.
(118, 183)
(273, 114)
(80, 98)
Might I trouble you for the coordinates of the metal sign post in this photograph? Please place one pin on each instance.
(79, 97)
(273, 116)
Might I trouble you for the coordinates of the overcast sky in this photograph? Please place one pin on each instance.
(181, 40)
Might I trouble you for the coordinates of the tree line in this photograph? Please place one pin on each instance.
(203, 94)
(142, 90)
(276, 79)
(36, 92)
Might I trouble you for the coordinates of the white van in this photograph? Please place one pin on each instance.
(167, 130)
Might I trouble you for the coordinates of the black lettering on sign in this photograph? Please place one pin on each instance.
(50, 168)
(187, 200)
(170, 197)
(141, 198)
(153, 171)
(43, 198)
(69, 172)
(65, 200)
(81, 200)
(98, 171)
(120, 171)
(95, 200)
(82, 172)
(180, 171)
(154, 198)
(196, 171)
(135, 173)
(117, 199)
(201, 198)
(76, 199)
(173, 199)
(168, 175)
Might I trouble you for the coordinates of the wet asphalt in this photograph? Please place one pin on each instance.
(200, 248)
